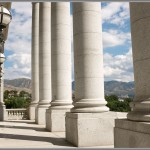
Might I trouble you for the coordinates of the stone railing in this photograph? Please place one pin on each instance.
(16, 114)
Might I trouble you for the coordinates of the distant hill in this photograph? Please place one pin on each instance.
(111, 87)
(118, 88)
(18, 84)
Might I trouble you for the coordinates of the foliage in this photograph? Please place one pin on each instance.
(111, 98)
(13, 99)
(6, 93)
(25, 95)
(119, 106)
(16, 102)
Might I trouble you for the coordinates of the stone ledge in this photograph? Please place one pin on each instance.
(131, 134)
(91, 129)
(97, 115)
(3, 113)
(40, 116)
(136, 126)
(55, 119)
(31, 109)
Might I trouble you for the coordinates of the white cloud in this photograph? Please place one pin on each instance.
(21, 66)
(19, 36)
(19, 41)
(119, 67)
(23, 8)
(13, 73)
(113, 38)
(115, 13)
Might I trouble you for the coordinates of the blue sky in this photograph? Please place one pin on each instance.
(116, 41)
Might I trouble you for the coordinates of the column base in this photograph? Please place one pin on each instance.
(139, 116)
(91, 129)
(3, 113)
(90, 106)
(55, 119)
(131, 134)
(40, 117)
(32, 108)
(140, 110)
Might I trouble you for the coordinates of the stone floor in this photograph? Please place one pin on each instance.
(27, 134)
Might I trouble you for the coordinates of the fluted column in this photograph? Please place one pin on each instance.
(2, 88)
(44, 60)
(1, 92)
(140, 29)
(2, 106)
(88, 58)
(89, 120)
(61, 67)
(61, 56)
(35, 60)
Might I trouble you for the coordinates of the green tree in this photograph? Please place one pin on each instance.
(6, 94)
(24, 94)
(111, 98)
(14, 100)
(17, 102)
(119, 106)
(13, 93)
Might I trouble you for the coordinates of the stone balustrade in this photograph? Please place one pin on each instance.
(16, 114)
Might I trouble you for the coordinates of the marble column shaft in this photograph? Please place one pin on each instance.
(88, 58)
(140, 29)
(2, 92)
(44, 60)
(61, 56)
(61, 67)
(2, 88)
(35, 59)
(3, 115)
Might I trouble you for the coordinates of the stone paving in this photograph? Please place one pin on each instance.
(27, 134)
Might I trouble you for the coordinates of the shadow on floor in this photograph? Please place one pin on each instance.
(55, 141)
(22, 121)
(23, 127)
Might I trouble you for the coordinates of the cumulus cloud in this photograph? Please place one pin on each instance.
(119, 67)
(21, 66)
(19, 41)
(115, 13)
(113, 38)
(19, 36)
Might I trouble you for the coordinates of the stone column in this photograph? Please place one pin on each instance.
(35, 60)
(135, 129)
(2, 106)
(2, 87)
(89, 120)
(61, 67)
(141, 60)
(88, 58)
(44, 61)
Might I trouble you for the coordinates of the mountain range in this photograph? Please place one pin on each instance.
(18, 84)
(122, 89)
